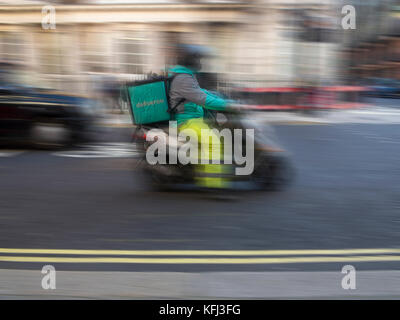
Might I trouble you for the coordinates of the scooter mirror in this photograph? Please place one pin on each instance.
(221, 118)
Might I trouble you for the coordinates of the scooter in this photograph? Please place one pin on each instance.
(272, 168)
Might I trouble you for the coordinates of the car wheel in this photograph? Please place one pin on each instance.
(46, 134)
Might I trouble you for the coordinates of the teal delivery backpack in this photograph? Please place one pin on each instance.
(149, 100)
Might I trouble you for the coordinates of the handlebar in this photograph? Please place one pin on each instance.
(235, 107)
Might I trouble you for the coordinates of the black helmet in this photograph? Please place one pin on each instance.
(190, 56)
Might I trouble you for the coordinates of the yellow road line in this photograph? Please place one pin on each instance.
(201, 260)
(202, 252)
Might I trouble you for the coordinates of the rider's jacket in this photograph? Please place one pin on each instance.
(190, 99)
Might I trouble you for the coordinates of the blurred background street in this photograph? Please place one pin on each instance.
(72, 193)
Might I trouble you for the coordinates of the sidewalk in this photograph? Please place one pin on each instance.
(26, 284)
(373, 114)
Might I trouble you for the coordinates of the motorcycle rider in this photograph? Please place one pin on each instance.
(190, 101)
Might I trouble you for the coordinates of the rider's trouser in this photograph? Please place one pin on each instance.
(209, 170)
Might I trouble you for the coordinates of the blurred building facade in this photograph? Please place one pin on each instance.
(257, 43)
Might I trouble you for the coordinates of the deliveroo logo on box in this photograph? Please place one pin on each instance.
(149, 95)
(149, 103)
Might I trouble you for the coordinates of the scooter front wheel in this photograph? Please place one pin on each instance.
(273, 173)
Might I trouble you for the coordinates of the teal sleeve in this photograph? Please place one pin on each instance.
(214, 102)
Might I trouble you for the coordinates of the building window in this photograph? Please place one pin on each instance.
(12, 47)
(94, 52)
(132, 53)
(51, 53)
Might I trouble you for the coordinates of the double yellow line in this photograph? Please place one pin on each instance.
(199, 256)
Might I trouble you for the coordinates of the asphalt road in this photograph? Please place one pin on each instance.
(346, 196)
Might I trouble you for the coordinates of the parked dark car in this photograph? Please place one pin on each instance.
(382, 88)
(42, 117)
